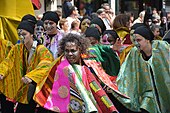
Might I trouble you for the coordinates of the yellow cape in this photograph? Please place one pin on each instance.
(11, 12)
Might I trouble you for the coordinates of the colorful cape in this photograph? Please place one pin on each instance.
(147, 83)
(15, 66)
(83, 79)
(107, 57)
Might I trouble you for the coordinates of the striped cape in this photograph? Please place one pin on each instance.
(44, 91)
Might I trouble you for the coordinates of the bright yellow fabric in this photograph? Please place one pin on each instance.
(5, 47)
(11, 12)
(13, 69)
(122, 32)
(124, 53)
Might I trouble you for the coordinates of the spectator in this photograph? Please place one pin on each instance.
(66, 8)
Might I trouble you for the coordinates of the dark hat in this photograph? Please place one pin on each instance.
(163, 13)
(100, 23)
(40, 23)
(50, 15)
(113, 33)
(136, 25)
(26, 25)
(92, 32)
(145, 32)
(29, 18)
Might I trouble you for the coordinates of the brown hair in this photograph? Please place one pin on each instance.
(121, 20)
(75, 24)
(61, 22)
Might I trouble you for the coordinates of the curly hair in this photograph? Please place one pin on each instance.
(79, 40)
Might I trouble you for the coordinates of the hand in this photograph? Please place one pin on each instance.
(119, 42)
(1, 77)
(26, 80)
(107, 89)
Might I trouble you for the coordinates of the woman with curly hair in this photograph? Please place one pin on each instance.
(70, 85)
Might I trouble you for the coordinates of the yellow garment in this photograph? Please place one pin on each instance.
(5, 47)
(122, 32)
(15, 66)
(11, 12)
(158, 38)
(124, 53)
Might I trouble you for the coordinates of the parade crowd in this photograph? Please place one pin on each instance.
(98, 63)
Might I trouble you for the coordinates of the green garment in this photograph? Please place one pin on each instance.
(108, 58)
(147, 89)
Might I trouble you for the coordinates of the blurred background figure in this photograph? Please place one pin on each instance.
(148, 17)
(156, 31)
(122, 26)
(75, 27)
(164, 22)
(85, 23)
(64, 27)
(102, 14)
(73, 15)
(140, 19)
(66, 8)
(109, 37)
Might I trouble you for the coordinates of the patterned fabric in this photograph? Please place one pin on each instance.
(107, 57)
(52, 43)
(124, 53)
(87, 94)
(123, 33)
(147, 83)
(5, 47)
(15, 66)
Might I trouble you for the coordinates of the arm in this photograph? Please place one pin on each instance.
(8, 62)
(45, 59)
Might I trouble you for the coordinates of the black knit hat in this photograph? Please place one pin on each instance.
(100, 23)
(92, 32)
(50, 15)
(40, 23)
(136, 25)
(145, 32)
(29, 18)
(26, 25)
(113, 33)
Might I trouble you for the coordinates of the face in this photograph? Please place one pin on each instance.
(25, 36)
(108, 39)
(164, 20)
(85, 23)
(50, 27)
(76, 12)
(39, 30)
(156, 32)
(65, 26)
(103, 15)
(72, 53)
(141, 42)
(93, 40)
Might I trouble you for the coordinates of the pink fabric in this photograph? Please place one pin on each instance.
(59, 97)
